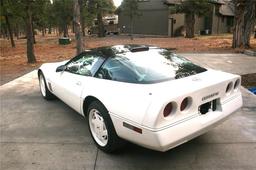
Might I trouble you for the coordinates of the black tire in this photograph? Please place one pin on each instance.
(114, 143)
(46, 94)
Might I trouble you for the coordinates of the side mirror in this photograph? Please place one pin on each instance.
(100, 75)
(61, 68)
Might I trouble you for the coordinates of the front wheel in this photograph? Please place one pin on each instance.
(101, 128)
(43, 87)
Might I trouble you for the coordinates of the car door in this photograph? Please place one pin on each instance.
(69, 84)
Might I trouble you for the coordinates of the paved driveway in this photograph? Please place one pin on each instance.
(232, 63)
(37, 134)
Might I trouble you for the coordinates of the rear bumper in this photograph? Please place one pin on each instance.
(174, 135)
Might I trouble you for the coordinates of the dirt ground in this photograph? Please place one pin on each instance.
(13, 61)
(249, 80)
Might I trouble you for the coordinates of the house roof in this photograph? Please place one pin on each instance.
(226, 6)
(217, 1)
(227, 9)
(172, 2)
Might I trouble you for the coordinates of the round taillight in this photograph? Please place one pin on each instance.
(229, 87)
(237, 83)
(184, 104)
(168, 109)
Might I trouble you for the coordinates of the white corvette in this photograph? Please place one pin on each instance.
(142, 94)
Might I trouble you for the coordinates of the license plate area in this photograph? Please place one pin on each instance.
(209, 106)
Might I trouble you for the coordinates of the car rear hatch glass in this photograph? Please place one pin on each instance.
(153, 66)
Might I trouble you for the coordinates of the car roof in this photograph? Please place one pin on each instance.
(112, 51)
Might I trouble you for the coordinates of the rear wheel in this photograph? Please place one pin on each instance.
(101, 128)
(43, 88)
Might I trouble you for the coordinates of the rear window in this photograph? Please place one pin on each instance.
(155, 65)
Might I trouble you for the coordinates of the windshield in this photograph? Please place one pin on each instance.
(151, 66)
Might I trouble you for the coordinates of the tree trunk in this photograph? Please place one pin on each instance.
(189, 25)
(239, 24)
(29, 30)
(249, 22)
(237, 34)
(244, 22)
(132, 29)
(50, 29)
(9, 30)
(33, 31)
(73, 27)
(16, 31)
(83, 27)
(77, 28)
(82, 16)
(43, 32)
(65, 30)
(5, 32)
(60, 31)
(101, 30)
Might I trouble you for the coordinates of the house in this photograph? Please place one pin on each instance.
(157, 19)
(153, 18)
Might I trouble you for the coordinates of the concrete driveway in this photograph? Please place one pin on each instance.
(232, 63)
(37, 134)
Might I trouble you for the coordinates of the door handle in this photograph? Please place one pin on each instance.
(78, 83)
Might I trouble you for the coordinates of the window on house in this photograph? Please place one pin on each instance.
(230, 21)
(217, 10)
(222, 19)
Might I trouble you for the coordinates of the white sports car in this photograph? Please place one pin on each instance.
(143, 94)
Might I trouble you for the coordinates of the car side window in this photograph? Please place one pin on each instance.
(85, 64)
(117, 69)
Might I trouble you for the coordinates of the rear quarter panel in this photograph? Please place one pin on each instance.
(129, 101)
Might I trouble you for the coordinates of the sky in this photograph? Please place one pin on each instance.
(117, 2)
